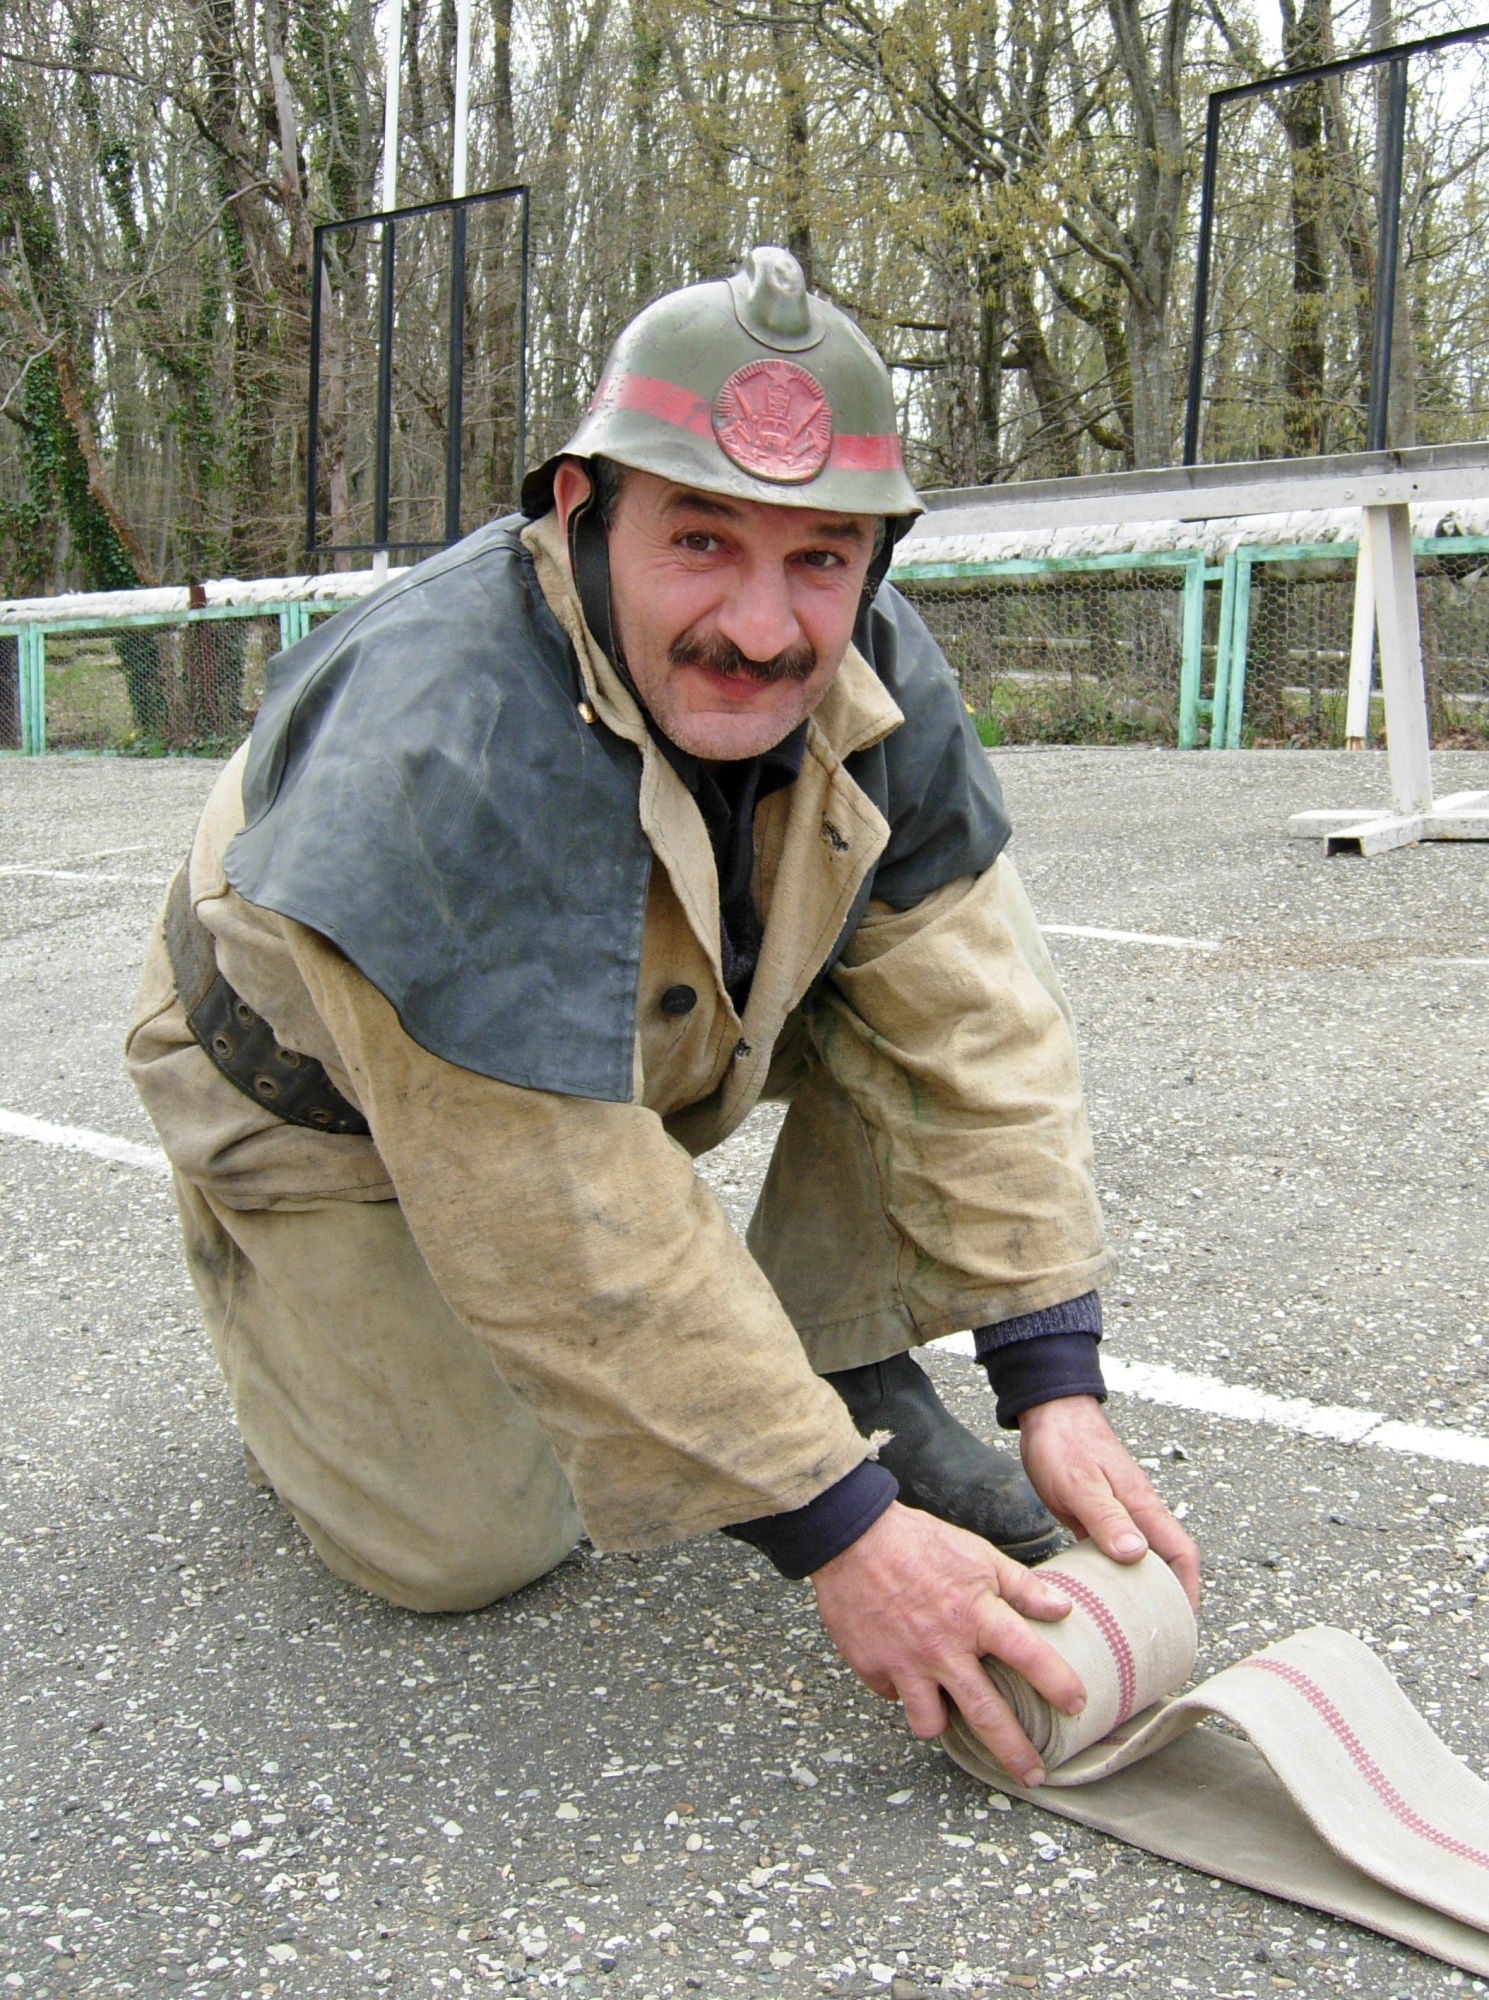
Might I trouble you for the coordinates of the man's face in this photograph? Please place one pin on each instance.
(733, 616)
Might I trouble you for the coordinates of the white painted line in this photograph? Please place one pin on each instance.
(81, 875)
(78, 1139)
(1205, 1395)
(1209, 1396)
(1131, 937)
(1427, 1441)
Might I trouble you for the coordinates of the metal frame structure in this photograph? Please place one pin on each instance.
(387, 221)
(1383, 485)
(1388, 222)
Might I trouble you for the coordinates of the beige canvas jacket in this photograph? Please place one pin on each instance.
(934, 1171)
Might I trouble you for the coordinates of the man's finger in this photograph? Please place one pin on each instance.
(1178, 1550)
(925, 1711)
(1029, 1593)
(992, 1722)
(1110, 1526)
(1002, 1636)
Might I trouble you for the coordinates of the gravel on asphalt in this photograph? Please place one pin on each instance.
(224, 1773)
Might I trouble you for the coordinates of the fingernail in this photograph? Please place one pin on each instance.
(1034, 1777)
(1129, 1545)
(1077, 1705)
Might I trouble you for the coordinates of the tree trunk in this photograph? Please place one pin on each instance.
(647, 54)
(505, 160)
(1401, 408)
(1054, 453)
(991, 327)
(796, 176)
(1157, 198)
(1300, 111)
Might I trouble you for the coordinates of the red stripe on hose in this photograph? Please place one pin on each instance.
(650, 396)
(1106, 1624)
(1365, 1764)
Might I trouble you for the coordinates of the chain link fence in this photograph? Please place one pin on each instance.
(1064, 652)
(1068, 650)
(1297, 651)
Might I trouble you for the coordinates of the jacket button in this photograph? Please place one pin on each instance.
(679, 1000)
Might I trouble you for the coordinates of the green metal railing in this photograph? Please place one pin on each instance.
(1223, 710)
(294, 617)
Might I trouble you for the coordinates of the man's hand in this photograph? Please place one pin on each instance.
(1086, 1477)
(914, 1605)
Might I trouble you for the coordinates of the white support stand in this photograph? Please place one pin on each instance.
(1385, 544)
(1361, 649)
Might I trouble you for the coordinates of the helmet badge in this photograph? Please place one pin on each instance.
(772, 419)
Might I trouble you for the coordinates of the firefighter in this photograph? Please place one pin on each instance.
(541, 869)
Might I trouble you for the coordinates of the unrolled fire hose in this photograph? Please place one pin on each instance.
(1340, 1797)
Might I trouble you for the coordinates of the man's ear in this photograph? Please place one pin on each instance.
(571, 488)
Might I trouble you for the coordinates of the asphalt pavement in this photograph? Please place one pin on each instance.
(224, 1773)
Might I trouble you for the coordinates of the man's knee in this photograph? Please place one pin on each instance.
(455, 1571)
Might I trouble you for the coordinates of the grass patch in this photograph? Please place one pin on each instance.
(1070, 712)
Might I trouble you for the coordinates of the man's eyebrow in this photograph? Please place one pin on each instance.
(702, 503)
(835, 528)
(844, 529)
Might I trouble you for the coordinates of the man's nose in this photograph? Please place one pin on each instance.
(758, 615)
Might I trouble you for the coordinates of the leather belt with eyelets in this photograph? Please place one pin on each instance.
(240, 1043)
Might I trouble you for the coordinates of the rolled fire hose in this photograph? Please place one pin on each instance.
(1339, 1797)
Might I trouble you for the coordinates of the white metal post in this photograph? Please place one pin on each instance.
(1386, 532)
(458, 165)
(1361, 648)
(392, 79)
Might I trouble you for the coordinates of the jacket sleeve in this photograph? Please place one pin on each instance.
(935, 1168)
(574, 1238)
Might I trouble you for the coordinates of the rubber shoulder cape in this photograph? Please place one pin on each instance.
(420, 789)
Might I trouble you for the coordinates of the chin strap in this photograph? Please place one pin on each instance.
(878, 569)
(589, 560)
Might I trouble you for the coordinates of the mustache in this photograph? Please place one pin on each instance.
(721, 656)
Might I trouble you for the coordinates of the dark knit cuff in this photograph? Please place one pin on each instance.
(1041, 1356)
(806, 1538)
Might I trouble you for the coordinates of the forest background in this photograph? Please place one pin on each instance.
(1003, 194)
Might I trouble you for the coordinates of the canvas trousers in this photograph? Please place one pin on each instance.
(374, 1412)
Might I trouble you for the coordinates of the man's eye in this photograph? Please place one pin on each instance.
(822, 559)
(699, 543)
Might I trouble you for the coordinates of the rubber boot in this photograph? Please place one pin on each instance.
(942, 1467)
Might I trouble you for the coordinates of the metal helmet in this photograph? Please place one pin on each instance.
(749, 386)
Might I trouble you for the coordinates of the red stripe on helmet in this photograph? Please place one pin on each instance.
(650, 396)
(866, 452)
